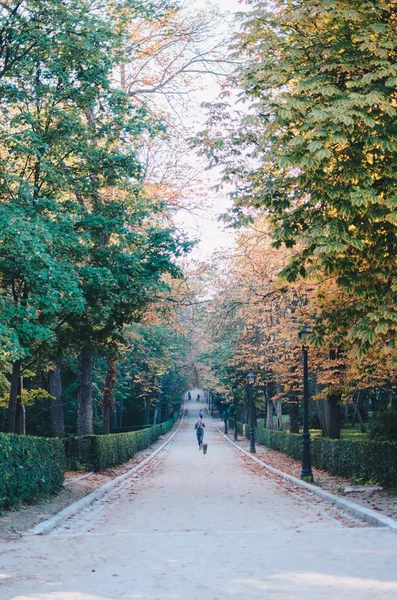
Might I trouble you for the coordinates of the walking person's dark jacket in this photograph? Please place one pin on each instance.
(199, 427)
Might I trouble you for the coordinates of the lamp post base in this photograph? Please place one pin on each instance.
(307, 473)
(252, 440)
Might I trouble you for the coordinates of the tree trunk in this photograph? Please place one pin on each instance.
(20, 421)
(356, 411)
(12, 404)
(160, 411)
(85, 425)
(106, 419)
(293, 415)
(57, 420)
(107, 395)
(329, 415)
(113, 417)
(146, 419)
(156, 413)
(265, 393)
(279, 413)
(269, 416)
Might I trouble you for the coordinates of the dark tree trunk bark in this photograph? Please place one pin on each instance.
(293, 415)
(334, 416)
(113, 418)
(146, 419)
(85, 425)
(269, 416)
(57, 420)
(160, 411)
(20, 421)
(12, 404)
(107, 398)
(329, 415)
(265, 393)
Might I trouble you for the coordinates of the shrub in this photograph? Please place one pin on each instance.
(30, 468)
(383, 426)
(365, 460)
(100, 452)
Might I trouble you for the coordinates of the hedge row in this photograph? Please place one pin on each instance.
(366, 461)
(100, 452)
(30, 468)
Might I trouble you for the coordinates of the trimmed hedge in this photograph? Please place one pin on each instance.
(361, 460)
(30, 468)
(100, 452)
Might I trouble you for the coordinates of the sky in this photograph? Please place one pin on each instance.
(204, 224)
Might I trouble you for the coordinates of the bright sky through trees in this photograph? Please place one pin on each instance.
(204, 224)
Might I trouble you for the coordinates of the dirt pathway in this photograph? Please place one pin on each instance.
(202, 527)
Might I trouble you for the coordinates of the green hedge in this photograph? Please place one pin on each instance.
(363, 460)
(30, 468)
(100, 452)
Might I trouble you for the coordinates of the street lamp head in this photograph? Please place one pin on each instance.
(234, 390)
(251, 378)
(304, 332)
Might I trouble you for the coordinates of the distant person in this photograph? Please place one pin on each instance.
(199, 427)
(201, 414)
(189, 396)
(198, 398)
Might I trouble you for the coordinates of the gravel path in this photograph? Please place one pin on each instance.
(208, 527)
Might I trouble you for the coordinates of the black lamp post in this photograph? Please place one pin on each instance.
(251, 381)
(225, 415)
(234, 390)
(306, 460)
(212, 403)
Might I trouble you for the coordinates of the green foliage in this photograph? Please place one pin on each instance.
(317, 148)
(100, 452)
(362, 460)
(30, 468)
(383, 426)
(83, 250)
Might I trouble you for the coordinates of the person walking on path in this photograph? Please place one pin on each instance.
(189, 396)
(199, 427)
(201, 414)
(198, 398)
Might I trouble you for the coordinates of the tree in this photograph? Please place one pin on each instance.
(315, 150)
(71, 193)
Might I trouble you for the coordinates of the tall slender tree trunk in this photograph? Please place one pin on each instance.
(358, 413)
(57, 418)
(85, 424)
(20, 421)
(107, 398)
(293, 414)
(146, 418)
(279, 413)
(265, 393)
(113, 416)
(269, 416)
(333, 409)
(13, 400)
(160, 411)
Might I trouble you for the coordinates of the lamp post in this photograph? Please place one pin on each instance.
(306, 460)
(234, 390)
(225, 415)
(251, 381)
